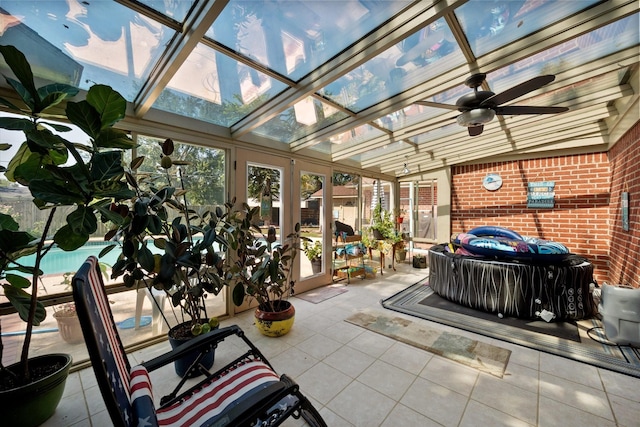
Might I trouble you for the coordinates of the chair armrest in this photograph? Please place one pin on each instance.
(210, 339)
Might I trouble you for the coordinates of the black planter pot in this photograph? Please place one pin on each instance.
(182, 365)
(377, 234)
(32, 404)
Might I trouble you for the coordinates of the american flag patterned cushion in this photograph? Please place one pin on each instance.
(110, 347)
(209, 403)
(141, 398)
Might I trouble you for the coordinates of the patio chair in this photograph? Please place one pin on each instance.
(245, 392)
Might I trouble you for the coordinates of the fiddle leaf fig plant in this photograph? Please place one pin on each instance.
(87, 176)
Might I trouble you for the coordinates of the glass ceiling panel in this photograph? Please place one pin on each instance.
(489, 25)
(355, 136)
(100, 41)
(294, 38)
(434, 135)
(429, 52)
(177, 10)
(617, 36)
(307, 116)
(212, 87)
(380, 152)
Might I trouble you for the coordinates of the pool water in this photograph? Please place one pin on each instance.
(57, 261)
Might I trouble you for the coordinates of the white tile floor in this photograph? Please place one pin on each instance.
(359, 378)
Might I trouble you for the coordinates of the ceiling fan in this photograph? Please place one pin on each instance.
(481, 106)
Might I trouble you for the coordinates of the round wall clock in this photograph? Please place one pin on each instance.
(492, 182)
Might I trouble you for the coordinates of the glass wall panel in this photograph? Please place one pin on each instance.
(263, 190)
(312, 202)
(345, 201)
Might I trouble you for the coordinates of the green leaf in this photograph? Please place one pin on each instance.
(55, 193)
(145, 258)
(106, 250)
(83, 220)
(11, 106)
(22, 155)
(57, 126)
(118, 190)
(21, 301)
(15, 123)
(18, 281)
(83, 115)
(55, 93)
(8, 223)
(114, 138)
(21, 68)
(30, 169)
(68, 240)
(110, 105)
(16, 243)
(107, 165)
(238, 294)
(23, 92)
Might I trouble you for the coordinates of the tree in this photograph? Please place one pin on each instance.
(257, 178)
(203, 169)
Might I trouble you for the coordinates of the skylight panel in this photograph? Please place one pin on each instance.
(425, 54)
(84, 43)
(490, 25)
(307, 116)
(294, 38)
(215, 88)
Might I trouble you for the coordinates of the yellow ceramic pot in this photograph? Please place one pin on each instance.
(275, 323)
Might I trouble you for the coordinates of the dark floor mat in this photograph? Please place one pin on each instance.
(592, 346)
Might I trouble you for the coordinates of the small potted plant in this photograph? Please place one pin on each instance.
(313, 251)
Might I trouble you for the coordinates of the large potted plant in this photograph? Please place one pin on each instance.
(57, 172)
(169, 247)
(260, 269)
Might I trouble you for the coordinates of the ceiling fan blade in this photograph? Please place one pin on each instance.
(436, 105)
(475, 130)
(524, 109)
(518, 90)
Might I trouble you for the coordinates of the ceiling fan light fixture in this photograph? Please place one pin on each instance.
(475, 117)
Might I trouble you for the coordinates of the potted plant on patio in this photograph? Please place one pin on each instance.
(260, 269)
(313, 251)
(382, 224)
(170, 247)
(65, 314)
(57, 172)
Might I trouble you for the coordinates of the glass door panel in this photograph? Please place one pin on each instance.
(312, 204)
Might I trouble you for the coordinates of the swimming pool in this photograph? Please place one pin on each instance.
(57, 261)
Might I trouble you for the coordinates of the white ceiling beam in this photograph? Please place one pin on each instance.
(179, 49)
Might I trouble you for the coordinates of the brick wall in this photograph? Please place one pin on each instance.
(580, 219)
(624, 158)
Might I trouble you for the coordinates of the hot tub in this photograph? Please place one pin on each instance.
(514, 288)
